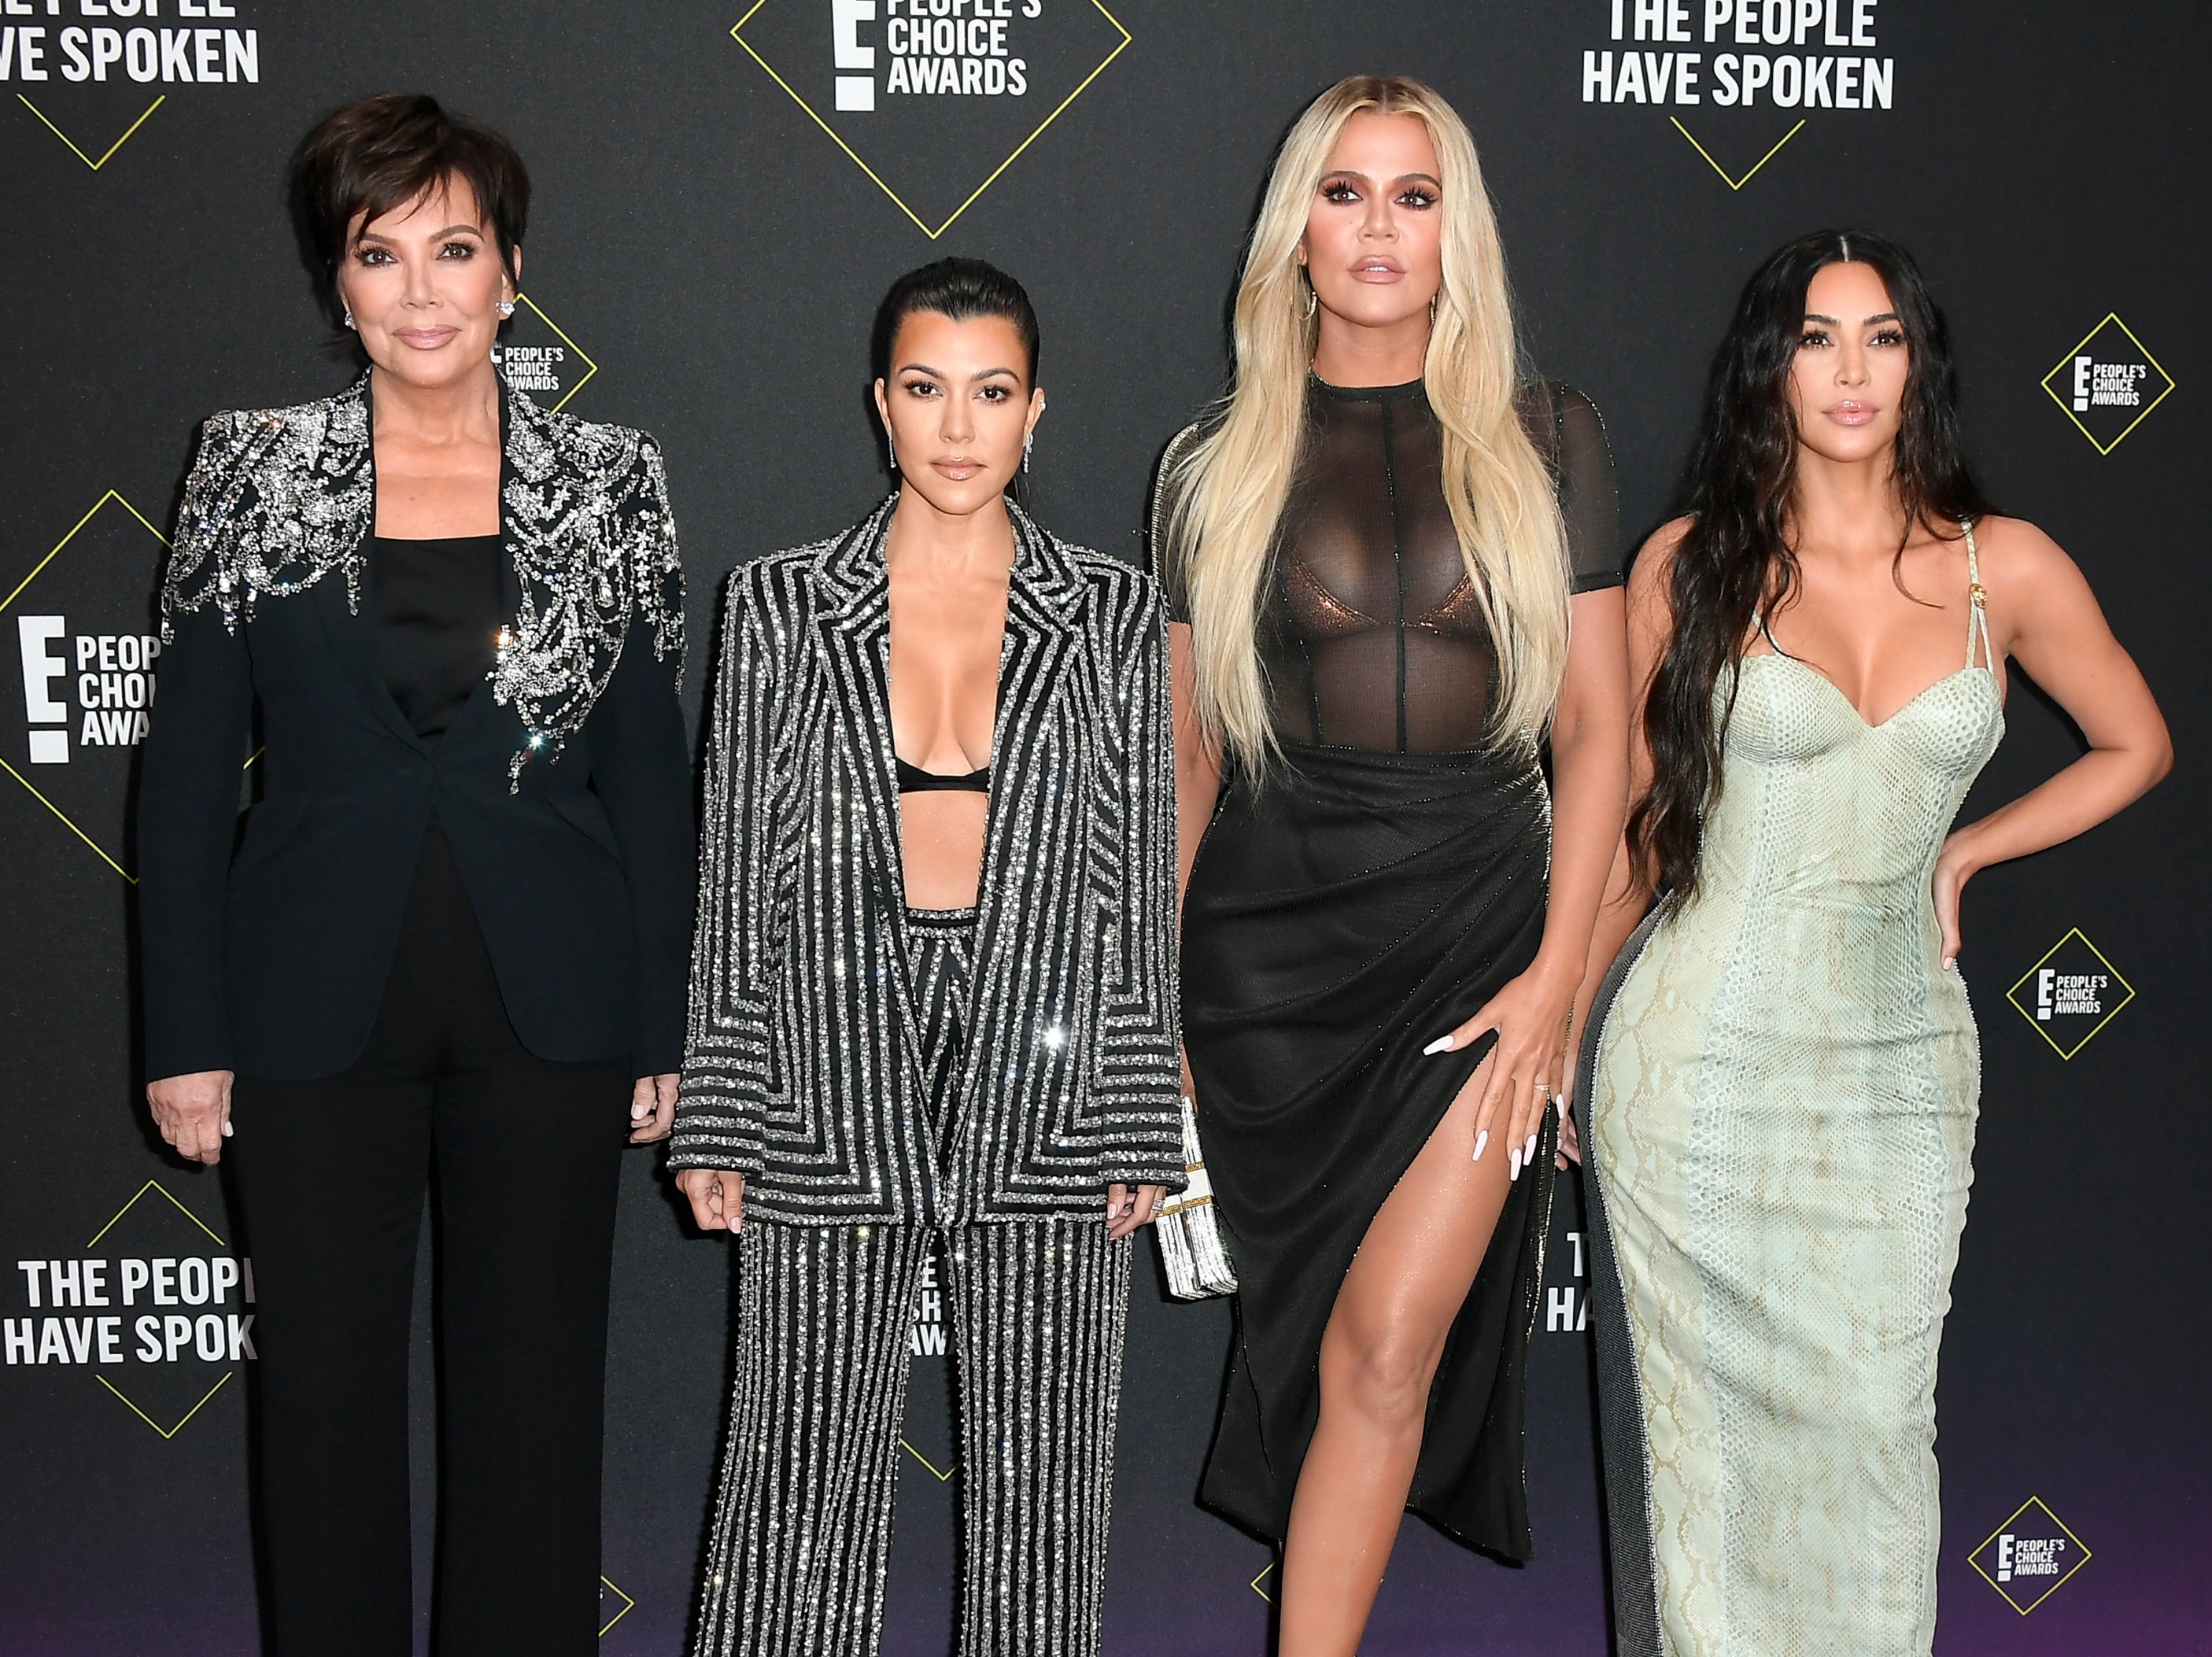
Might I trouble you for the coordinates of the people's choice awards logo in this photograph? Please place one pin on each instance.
(2108, 384)
(934, 99)
(88, 665)
(1751, 70)
(2030, 1557)
(2071, 994)
(155, 1306)
(92, 85)
(538, 358)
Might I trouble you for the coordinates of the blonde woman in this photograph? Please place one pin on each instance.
(1394, 573)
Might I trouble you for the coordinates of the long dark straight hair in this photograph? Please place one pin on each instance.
(1735, 561)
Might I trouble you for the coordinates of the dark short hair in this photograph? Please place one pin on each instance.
(386, 151)
(961, 289)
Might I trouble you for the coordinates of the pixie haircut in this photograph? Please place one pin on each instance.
(397, 148)
(961, 289)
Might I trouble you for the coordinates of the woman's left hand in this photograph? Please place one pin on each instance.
(1128, 1207)
(651, 1109)
(1519, 1076)
(1954, 867)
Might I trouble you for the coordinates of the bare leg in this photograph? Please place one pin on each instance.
(1378, 1356)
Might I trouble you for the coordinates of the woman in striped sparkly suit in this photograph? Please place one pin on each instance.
(934, 1004)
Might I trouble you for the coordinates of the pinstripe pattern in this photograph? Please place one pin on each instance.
(801, 1539)
(804, 1068)
(944, 969)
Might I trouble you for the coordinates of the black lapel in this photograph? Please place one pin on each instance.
(350, 631)
(482, 703)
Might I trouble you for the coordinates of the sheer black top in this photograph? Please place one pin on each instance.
(1371, 635)
(439, 609)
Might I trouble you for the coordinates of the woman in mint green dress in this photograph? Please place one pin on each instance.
(1782, 1091)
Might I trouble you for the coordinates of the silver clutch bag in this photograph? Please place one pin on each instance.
(1193, 1247)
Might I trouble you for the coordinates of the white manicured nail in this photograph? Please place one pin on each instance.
(1480, 1140)
(1529, 1155)
(1560, 1100)
(1441, 1044)
(1513, 1165)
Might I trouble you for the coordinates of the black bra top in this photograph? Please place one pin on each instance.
(913, 780)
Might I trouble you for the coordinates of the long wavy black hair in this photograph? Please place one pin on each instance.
(1735, 560)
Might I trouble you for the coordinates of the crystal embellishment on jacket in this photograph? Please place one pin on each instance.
(280, 499)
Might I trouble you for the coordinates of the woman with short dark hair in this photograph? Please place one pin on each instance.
(934, 1006)
(453, 933)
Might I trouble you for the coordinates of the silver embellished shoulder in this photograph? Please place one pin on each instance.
(283, 498)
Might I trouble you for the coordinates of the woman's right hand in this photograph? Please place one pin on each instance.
(193, 1112)
(718, 1197)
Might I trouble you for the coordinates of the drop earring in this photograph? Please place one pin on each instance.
(1027, 440)
(349, 321)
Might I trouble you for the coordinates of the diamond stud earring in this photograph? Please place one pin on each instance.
(506, 309)
(348, 320)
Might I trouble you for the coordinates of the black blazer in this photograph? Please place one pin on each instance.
(563, 785)
(803, 1070)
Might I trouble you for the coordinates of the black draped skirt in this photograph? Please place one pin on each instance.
(1338, 919)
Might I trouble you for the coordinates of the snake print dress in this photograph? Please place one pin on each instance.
(1783, 1109)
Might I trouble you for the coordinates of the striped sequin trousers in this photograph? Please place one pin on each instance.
(801, 1539)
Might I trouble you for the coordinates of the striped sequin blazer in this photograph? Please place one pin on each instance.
(803, 1064)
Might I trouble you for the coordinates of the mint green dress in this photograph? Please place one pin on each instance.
(1782, 1097)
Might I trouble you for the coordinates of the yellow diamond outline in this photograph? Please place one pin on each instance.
(37, 569)
(110, 154)
(2034, 1024)
(1738, 184)
(2067, 407)
(2032, 1502)
(1254, 1583)
(628, 1604)
(736, 34)
(174, 1201)
(942, 1475)
(591, 367)
(165, 1432)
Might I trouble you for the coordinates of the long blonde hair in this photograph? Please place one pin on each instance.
(1229, 488)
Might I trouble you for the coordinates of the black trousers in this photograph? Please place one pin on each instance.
(330, 1176)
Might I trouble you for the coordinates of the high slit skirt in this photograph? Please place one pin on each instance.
(1340, 918)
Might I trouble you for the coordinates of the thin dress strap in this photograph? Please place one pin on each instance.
(1978, 619)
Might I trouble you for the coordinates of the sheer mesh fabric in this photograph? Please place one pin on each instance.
(1372, 636)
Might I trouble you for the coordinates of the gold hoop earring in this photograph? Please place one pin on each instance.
(1313, 300)
(1432, 309)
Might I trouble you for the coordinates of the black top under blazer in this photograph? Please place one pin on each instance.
(563, 785)
(803, 1071)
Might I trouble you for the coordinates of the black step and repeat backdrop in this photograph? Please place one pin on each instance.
(723, 194)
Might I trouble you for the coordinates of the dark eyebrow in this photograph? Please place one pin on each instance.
(1883, 316)
(1403, 177)
(940, 373)
(473, 229)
